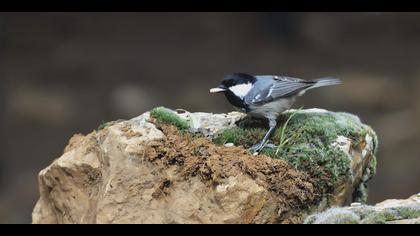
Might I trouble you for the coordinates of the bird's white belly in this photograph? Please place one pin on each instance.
(272, 109)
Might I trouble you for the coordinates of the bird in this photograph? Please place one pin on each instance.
(266, 96)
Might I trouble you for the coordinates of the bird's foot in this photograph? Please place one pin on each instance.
(257, 148)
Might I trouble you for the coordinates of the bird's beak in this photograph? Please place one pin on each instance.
(217, 90)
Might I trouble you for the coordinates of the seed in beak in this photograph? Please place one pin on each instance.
(217, 90)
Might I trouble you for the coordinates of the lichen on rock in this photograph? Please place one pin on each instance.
(170, 166)
(388, 212)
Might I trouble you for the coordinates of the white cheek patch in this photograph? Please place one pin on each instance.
(241, 90)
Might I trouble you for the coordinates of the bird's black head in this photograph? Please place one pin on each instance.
(235, 86)
(237, 79)
(232, 80)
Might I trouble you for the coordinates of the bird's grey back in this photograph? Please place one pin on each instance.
(270, 87)
(261, 89)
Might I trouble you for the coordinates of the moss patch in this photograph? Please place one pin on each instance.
(305, 142)
(167, 116)
(372, 167)
(240, 136)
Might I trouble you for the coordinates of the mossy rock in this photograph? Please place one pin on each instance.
(167, 116)
(304, 138)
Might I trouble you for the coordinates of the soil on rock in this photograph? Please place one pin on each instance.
(198, 156)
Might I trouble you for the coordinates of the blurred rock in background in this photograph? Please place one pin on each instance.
(65, 73)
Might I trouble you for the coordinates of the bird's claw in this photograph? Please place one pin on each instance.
(257, 148)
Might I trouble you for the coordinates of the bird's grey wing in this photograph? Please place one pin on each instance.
(287, 86)
(260, 90)
(279, 87)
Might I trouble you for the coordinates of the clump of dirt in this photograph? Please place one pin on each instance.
(198, 156)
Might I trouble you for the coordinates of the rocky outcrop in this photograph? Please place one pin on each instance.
(393, 211)
(179, 167)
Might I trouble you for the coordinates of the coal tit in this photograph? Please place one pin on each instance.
(266, 96)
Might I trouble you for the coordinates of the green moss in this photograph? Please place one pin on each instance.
(372, 167)
(167, 116)
(327, 164)
(246, 137)
(372, 133)
(305, 142)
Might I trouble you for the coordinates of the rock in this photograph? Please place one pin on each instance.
(405, 222)
(392, 211)
(179, 167)
(335, 216)
(229, 145)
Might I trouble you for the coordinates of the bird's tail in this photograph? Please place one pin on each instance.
(326, 81)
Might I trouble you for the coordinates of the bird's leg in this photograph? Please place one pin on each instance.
(258, 147)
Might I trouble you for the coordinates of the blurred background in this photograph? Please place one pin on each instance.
(66, 73)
